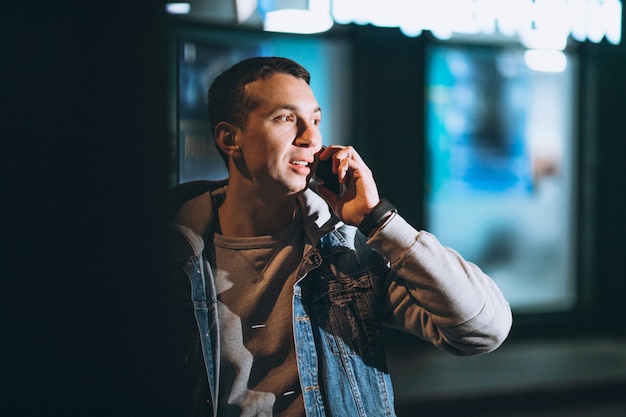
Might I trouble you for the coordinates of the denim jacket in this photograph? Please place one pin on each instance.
(348, 287)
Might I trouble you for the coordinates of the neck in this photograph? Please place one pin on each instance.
(245, 215)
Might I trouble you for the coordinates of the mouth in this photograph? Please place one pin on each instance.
(301, 166)
(300, 163)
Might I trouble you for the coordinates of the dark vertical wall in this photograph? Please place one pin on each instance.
(389, 113)
(607, 144)
(84, 163)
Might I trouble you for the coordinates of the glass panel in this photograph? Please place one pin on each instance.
(499, 177)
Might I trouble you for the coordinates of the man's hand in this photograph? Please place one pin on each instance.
(360, 194)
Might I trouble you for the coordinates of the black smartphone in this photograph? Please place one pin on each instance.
(324, 175)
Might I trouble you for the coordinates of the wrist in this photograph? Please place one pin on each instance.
(376, 217)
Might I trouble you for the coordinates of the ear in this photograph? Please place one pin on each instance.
(226, 138)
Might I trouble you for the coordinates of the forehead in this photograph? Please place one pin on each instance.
(282, 89)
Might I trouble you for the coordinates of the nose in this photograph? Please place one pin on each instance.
(308, 135)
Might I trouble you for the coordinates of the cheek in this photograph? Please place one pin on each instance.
(266, 146)
(260, 158)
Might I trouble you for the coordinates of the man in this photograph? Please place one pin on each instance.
(290, 287)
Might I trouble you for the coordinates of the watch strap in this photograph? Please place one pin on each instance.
(376, 216)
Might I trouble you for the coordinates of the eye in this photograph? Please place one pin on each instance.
(284, 118)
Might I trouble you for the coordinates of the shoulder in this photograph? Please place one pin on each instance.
(182, 193)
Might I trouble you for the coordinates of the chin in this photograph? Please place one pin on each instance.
(297, 189)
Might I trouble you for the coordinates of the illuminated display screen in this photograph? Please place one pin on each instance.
(500, 169)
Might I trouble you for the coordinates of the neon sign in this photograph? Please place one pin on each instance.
(537, 24)
(545, 24)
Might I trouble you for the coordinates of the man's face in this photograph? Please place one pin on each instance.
(281, 135)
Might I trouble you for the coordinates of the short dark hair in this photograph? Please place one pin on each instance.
(227, 98)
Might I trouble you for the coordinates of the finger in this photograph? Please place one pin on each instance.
(336, 152)
(343, 168)
(348, 152)
(325, 153)
(329, 151)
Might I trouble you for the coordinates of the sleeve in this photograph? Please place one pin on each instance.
(183, 359)
(436, 294)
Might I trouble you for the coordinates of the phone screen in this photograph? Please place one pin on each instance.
(325, 176)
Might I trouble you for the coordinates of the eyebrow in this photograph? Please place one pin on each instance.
(295, 108)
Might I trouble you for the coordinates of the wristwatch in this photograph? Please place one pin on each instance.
(374, 218)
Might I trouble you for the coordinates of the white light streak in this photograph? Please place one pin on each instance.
(545, 60)
(178, 8)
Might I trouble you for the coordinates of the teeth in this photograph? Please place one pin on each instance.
(300, 163)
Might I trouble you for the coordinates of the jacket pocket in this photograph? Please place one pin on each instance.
(345, 310)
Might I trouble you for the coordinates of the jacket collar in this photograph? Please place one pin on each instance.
(318, 218)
